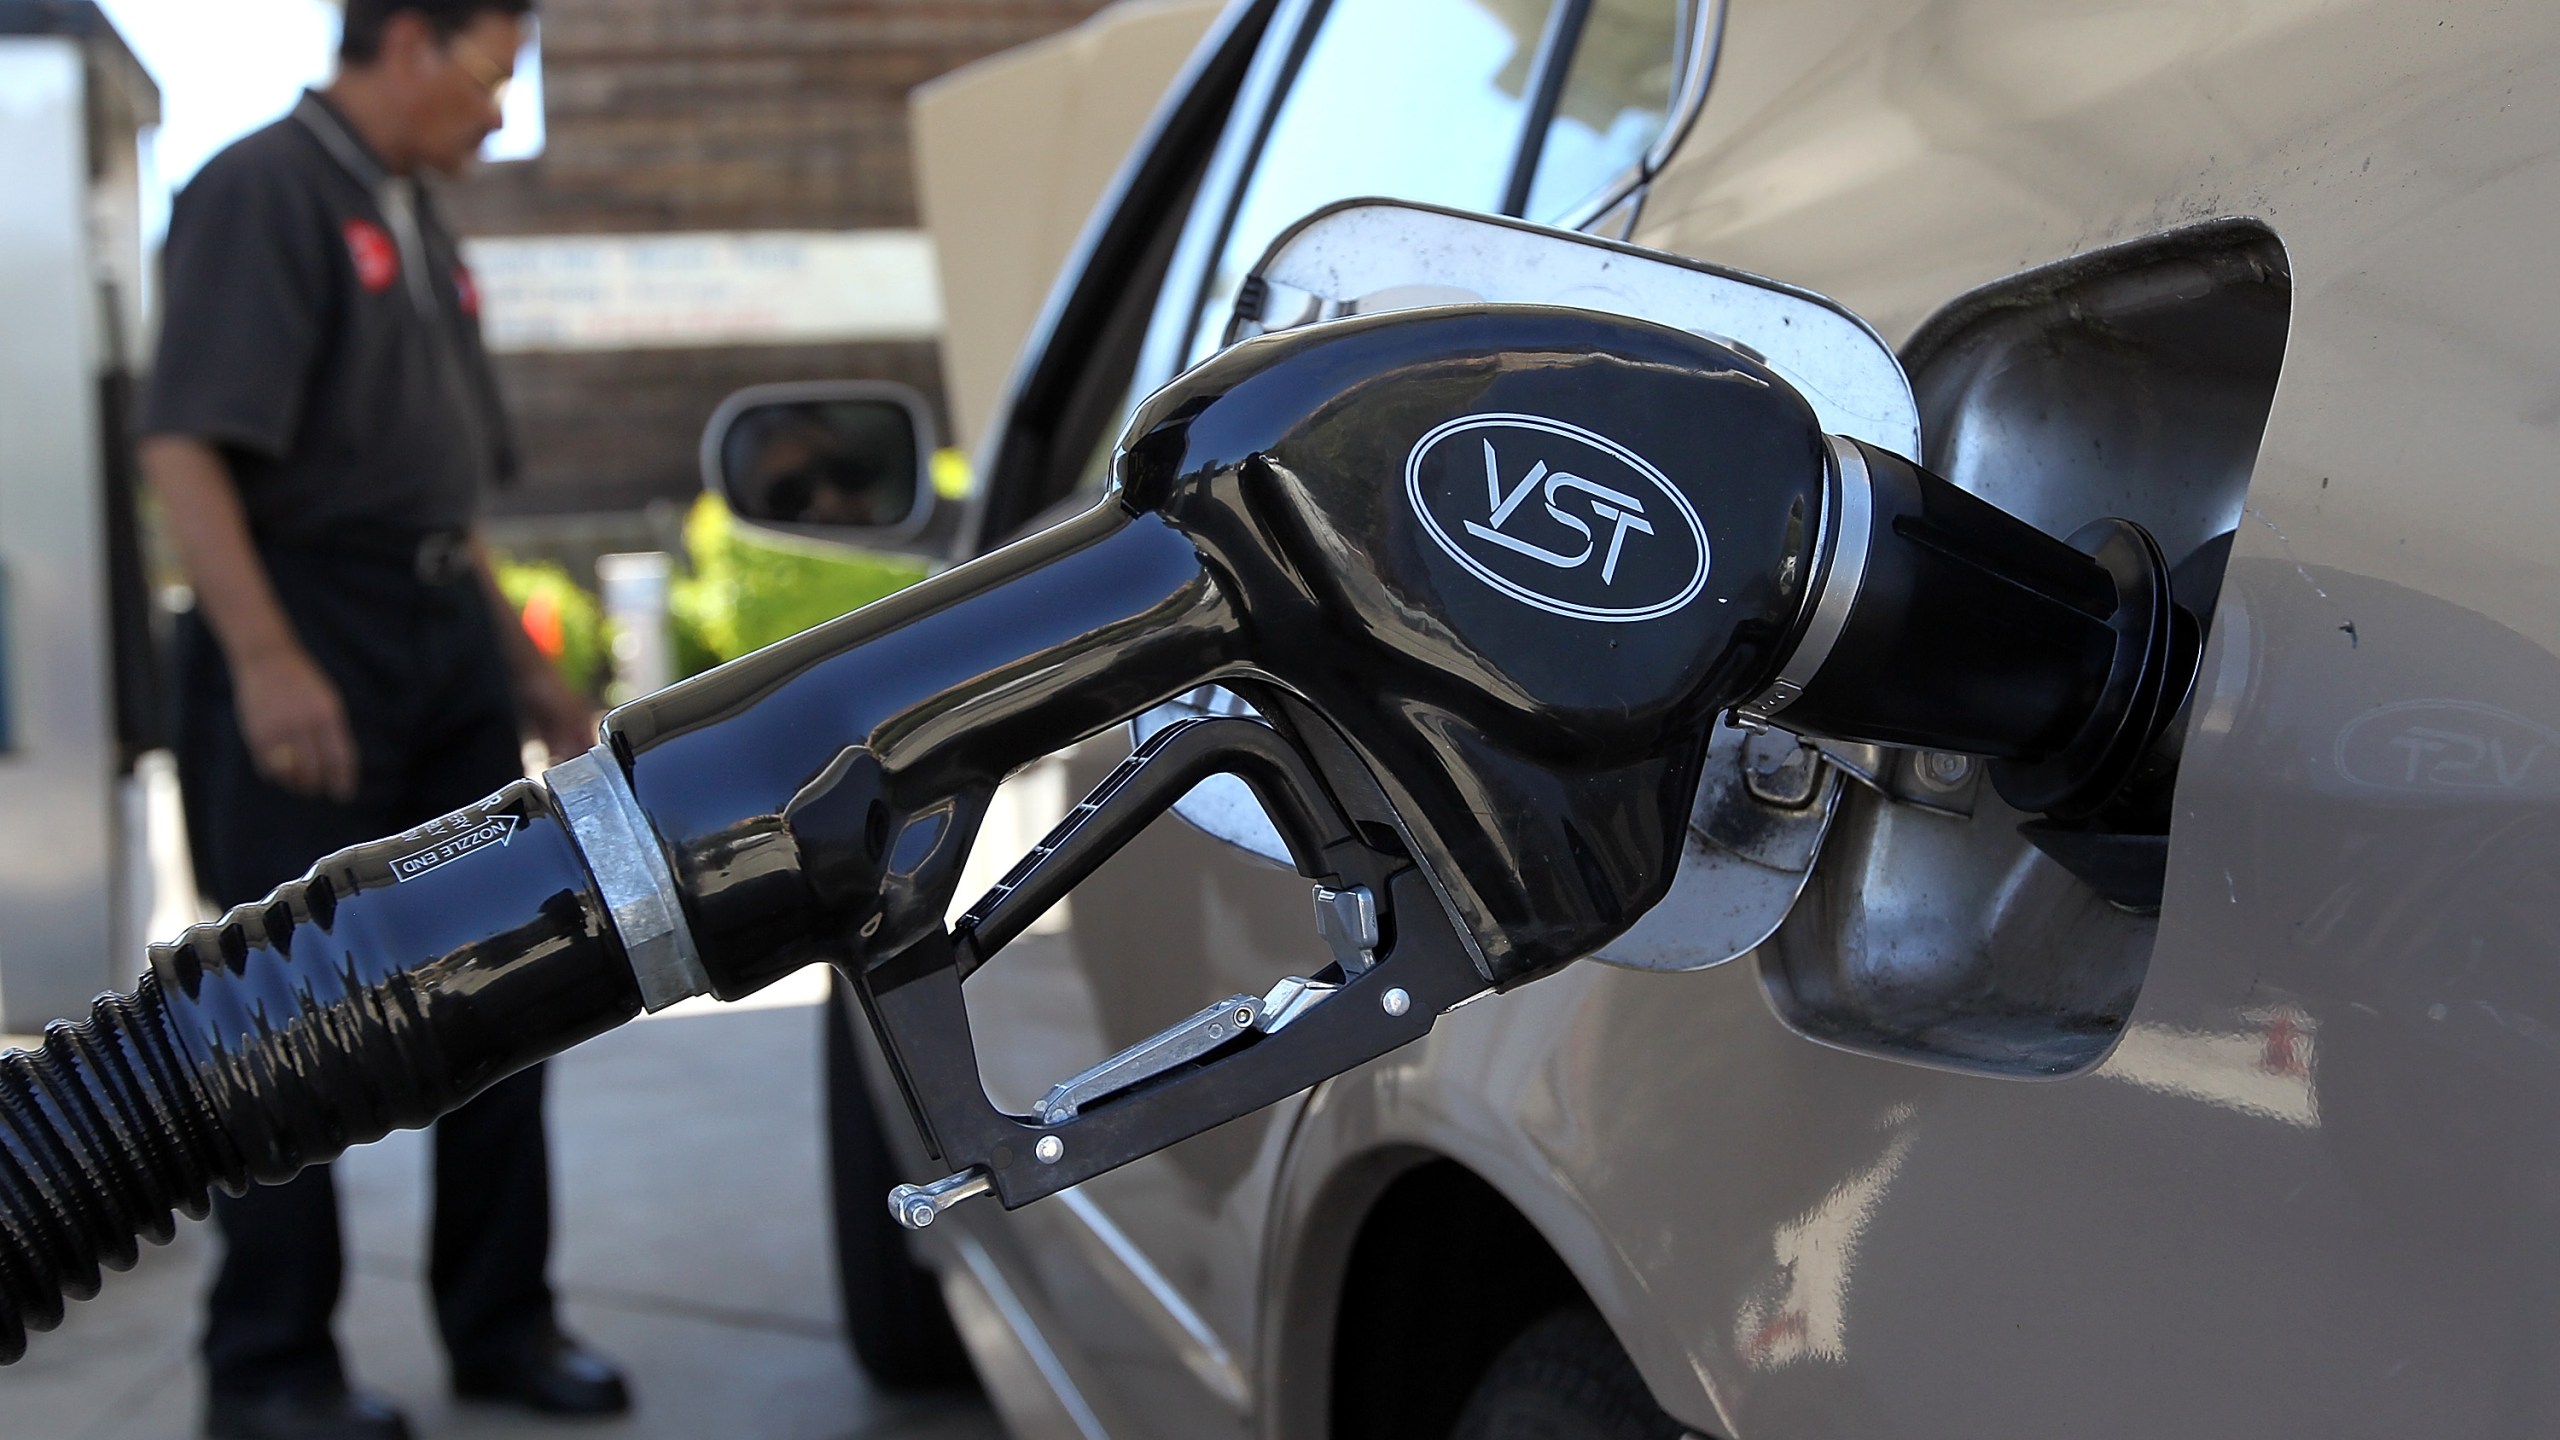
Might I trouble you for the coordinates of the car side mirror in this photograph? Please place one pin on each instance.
(845, 460)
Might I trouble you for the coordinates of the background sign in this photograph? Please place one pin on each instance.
(636, 292)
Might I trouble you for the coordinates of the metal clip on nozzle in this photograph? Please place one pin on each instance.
(1490, 575)
(916, 1206)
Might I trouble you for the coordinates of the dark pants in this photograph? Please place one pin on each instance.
(428, 698)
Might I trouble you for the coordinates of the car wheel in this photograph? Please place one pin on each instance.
(894, 1317)
(1564, 1378)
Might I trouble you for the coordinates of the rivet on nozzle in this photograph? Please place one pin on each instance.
(1396, 1002)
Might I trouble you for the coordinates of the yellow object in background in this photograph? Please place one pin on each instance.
(951, 477)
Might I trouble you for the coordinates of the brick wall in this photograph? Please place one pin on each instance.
(675, 115)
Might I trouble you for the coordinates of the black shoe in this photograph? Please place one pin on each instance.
(326, 1414)
(554, 1375)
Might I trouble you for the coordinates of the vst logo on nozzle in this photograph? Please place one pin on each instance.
(1557, 517)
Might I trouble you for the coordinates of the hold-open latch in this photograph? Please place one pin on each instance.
(1399, 963)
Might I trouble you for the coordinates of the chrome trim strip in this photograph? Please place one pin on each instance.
(631, 873)
(980, 1279)
(1704, 44)
(1145, 1289)
(1706, 49)
(1843, 574)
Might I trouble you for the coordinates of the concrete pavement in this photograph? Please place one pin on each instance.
(690, 1200)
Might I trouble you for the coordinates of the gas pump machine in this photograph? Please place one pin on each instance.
(1490, 576)
(76, 680)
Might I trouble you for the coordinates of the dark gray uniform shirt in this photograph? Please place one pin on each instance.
(320, 328)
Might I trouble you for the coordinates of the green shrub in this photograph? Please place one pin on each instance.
(750, 588)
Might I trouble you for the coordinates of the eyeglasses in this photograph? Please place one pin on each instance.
(483, 71)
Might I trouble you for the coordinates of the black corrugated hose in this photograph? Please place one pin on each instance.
(388, 986)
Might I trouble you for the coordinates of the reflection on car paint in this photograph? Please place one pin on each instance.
(1802, 1313)
(2263, 1069)
(2448, 745)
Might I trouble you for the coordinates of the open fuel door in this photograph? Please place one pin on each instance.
(1767, 799)
(1362, 257)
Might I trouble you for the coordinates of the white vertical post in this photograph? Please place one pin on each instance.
(58, 783)
(635, 610)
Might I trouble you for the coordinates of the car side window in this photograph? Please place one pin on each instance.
(1614, 100)
(1415, 99)
(1426, 100)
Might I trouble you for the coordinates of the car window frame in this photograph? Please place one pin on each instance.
(1203, 148)
(1548, 72)
(1164, 173)
(1699, 46)
(1308, 19)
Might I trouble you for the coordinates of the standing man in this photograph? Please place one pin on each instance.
(321, 424)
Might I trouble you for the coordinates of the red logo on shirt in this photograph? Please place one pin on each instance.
(466, 290)
(377, 259)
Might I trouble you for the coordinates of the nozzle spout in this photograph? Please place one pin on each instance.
(1940, 621)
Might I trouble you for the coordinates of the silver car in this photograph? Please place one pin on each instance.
(1889, 1122)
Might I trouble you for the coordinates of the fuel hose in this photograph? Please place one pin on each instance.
(400, 978)
(385, 988)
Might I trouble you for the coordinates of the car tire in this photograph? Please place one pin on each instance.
(1564, 1378)
(894, 1318)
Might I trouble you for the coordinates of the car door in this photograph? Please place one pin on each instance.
(1146, 1281)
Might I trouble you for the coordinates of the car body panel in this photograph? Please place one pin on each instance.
(1010, 155)
(2303, 1194)
(2309, 1190)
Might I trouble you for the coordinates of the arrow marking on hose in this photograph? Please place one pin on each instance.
(499, 830)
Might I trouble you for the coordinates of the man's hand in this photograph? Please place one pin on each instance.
(561, 717)
(290, 714)
(294, 724)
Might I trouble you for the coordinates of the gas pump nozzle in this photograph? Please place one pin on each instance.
(1488, 575)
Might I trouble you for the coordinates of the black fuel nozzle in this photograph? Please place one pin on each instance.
(1489, 576)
